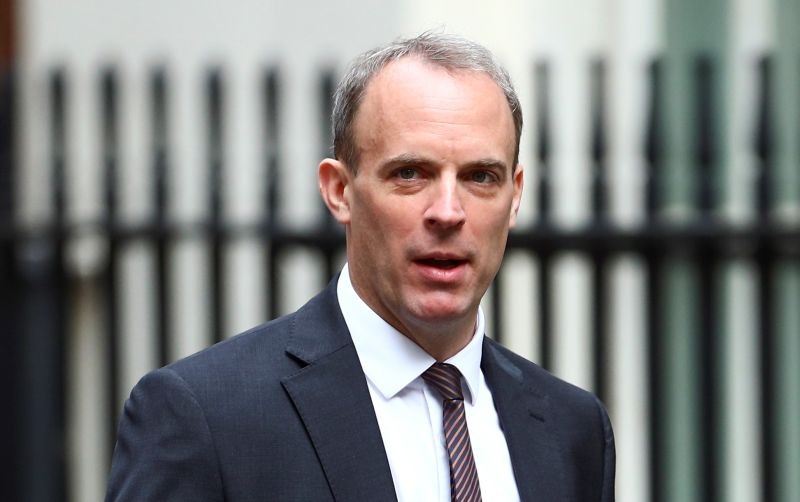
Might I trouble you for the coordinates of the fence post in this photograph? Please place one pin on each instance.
(10, 445)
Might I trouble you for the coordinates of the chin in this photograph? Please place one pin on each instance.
(441, 310)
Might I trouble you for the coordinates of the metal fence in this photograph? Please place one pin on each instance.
(38, 289)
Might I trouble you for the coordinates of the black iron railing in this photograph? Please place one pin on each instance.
(35, 284)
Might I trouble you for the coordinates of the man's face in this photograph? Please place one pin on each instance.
(428, 212)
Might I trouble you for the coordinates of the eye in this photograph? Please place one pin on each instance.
(407, 173)
(481, 176)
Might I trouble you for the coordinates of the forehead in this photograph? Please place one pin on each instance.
(420, 79)
(409, 92)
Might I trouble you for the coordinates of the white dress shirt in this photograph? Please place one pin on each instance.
(410, 413)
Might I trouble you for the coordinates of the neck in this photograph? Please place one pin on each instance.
(441, 341)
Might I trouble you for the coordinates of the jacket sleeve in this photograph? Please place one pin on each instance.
(164, 450)
(609, 457)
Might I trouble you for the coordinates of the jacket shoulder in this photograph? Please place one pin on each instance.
(277, 346)
(260, 345)
(559, 393)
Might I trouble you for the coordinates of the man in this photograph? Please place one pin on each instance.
(384, 387)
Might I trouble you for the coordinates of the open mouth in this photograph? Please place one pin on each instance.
(442, 264)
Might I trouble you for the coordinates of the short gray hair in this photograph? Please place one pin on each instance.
(450, 52)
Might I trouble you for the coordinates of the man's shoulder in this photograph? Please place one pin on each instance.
(559, 393)
(255, 358)
(258, 342)
(263, 348)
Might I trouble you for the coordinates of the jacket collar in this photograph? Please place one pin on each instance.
(331, 396)
(524, 413)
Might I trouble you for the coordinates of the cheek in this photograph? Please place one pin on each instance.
(391, 214)
(382, 227)
(491, 232)
(493, 219)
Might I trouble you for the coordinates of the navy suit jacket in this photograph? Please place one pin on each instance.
(282, 412)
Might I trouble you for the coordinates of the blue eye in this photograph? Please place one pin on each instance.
(480, 176)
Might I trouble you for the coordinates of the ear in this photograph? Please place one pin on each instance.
(518, 181)
(334, 178)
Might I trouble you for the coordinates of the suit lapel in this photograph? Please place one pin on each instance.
(523, 414)
(333, 401)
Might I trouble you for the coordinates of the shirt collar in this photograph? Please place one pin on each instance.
(390, 360)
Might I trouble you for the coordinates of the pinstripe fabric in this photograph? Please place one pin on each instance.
(464, 484)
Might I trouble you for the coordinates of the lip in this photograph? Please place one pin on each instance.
(442, 268)
(441, 255)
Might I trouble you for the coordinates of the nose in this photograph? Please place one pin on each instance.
(445, 210)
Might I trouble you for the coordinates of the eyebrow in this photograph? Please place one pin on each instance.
(405, 159)
(489, 164)
(408, 159)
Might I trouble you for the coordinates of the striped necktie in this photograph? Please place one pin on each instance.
(464, 485)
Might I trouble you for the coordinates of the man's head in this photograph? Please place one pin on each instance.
(436, 189)
(450, 52)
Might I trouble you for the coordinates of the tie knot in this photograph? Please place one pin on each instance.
(446, 379)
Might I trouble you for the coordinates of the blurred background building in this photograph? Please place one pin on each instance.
(158, 193)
